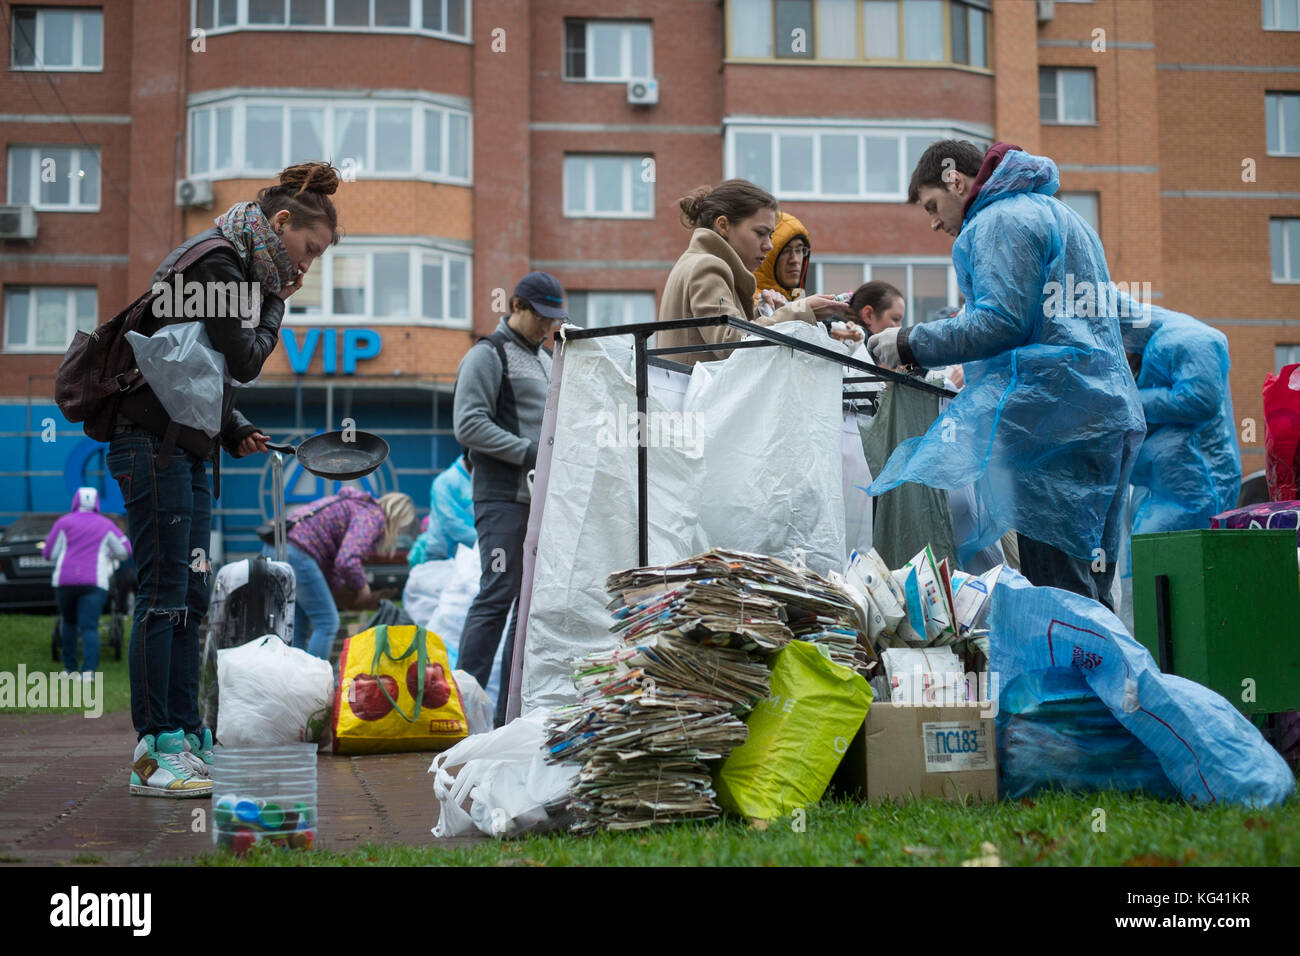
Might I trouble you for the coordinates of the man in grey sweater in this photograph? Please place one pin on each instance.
(500, 397)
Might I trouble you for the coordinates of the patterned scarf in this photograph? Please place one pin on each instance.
(245, 225)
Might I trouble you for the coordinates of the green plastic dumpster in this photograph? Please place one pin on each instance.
(1222, 607)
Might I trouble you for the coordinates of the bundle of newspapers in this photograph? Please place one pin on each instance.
(653, 710)
(816, 610)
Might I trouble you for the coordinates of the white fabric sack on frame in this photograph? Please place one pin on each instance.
(713, 481)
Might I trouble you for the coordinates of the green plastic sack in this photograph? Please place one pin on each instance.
(797, 736)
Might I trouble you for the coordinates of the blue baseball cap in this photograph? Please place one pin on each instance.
(544, 293)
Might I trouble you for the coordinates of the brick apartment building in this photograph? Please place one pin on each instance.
(482, 139)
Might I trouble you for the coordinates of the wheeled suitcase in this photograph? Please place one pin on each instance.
(250, 599)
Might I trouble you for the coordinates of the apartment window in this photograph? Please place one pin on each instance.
(1085, 204)
(926, 286)
(969, 27)
(1285, 355)
(607, 51)
(444, 18)
(600, 310)
(1284, 249)
(57, 39)
(1066, 96)
(55, 178)
(920, 31)
(1281, 14)
(45, 318)
(793, 162)
(386, 283)
(384, 139)
(1282, 118)
(794, 29)
(611, 187)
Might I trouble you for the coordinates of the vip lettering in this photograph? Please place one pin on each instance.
(57, 689)
(102, 909)
(197, 300)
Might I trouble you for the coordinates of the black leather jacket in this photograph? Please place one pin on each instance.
(245, 349)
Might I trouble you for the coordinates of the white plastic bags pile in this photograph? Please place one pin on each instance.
(271, 693)
(500, 783)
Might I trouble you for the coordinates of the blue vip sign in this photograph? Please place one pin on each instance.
(357, 344)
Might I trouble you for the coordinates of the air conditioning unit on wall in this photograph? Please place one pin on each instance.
(193, 192)
(643, 92)
(1046, 10)
(17, 222)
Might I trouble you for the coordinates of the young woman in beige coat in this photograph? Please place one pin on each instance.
(732, 227)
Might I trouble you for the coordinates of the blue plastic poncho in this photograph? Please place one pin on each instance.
(451, 508)
(1188, 469)
(1049, 422)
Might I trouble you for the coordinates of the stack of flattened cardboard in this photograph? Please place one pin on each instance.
(652, 711)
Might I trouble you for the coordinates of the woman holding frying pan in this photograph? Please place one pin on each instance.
(327, 541)
(265, 247)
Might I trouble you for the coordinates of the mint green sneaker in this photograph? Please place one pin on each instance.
(159, 769)
(198, 753)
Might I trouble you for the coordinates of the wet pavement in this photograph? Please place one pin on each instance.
(64, 799)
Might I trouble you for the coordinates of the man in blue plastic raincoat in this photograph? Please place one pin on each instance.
(1188, 469)
(1049, 423)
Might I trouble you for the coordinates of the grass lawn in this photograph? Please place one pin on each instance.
(1051, 829)
(25, 639)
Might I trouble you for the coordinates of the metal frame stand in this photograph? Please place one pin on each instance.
(277, 504)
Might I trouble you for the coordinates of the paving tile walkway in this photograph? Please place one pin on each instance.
(64, 799)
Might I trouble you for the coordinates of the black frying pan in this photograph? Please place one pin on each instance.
(330, 456)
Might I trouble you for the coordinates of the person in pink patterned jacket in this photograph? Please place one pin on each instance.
(328, 540)
(85, 547)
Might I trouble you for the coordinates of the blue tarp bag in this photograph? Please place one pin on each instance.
(1205, 746)
(1053, 731)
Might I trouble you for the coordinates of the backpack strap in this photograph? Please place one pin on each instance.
(505, 393)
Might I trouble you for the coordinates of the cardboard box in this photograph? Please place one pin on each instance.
(948, 752)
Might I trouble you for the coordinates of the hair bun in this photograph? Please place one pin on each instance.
(317, 177)
(692, 204)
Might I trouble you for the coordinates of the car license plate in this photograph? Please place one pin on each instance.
(34, 561)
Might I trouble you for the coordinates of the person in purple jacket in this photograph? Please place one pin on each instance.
(327, 541)
(84, 546)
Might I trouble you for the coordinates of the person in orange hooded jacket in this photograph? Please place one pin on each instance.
(785, 270)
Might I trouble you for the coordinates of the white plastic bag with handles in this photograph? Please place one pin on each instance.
(500, 783)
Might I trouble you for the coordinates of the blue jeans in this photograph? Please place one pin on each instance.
(314, 611)
(501, 527)
(169, 521)
(79, 609)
